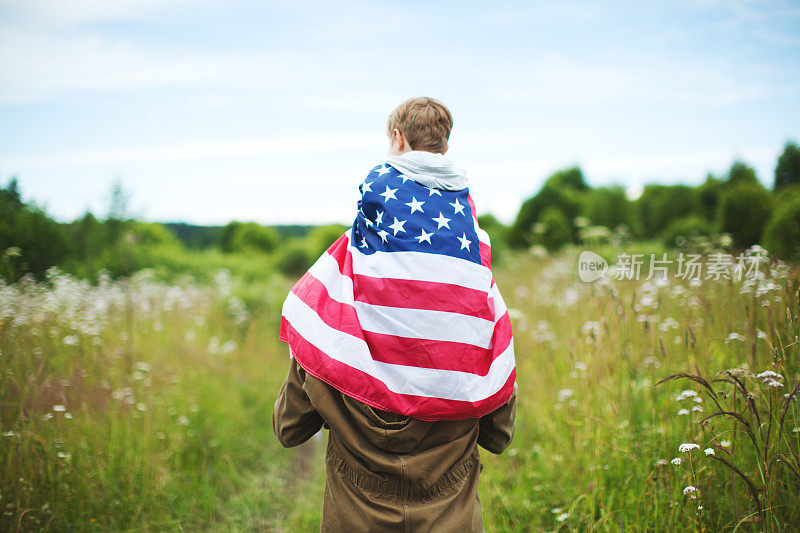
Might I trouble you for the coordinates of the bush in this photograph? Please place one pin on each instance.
(744, 211)
(688, 227)
(567, 199)
(295, 258)
(607, 206)
(741, 173)
(37, 241)
(660, 205)
(782, 234)
(556, 229)
(248, 236)
(708, 195)
(322, 237)
(498, 233)
(787, 171)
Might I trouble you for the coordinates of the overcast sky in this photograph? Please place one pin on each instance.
(213, 110)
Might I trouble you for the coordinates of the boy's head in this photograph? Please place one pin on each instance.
(420, 124)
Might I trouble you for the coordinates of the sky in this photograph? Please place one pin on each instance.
(209, 111)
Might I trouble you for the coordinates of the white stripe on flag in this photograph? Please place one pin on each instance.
(421, 266)
(425, 324)
(401, 379)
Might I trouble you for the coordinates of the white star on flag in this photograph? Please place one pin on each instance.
(378, 217)
(404, 177)
(433, 191)
(458, 207)
(464, 242)
(415, 205)
(367, 187)
(398, 226)
(424, 237)
(388, 194)
(383, 234)
(443, 221)
(382, 170)
(363, 242)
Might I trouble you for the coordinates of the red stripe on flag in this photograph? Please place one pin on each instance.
(374, 392)
(342, 317)
(442, 355)
(430, 295)
(425, 353)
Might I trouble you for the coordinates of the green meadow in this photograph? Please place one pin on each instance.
(139, 363)
(141, 404)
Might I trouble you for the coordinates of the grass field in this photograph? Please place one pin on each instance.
(143, 405)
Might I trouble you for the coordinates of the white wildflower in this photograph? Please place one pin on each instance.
(709, 451)
(683, 412)
(690, 491)
(182, 420)
(556, 510)
(769, 374)
(676, 461)
(562, 517)
(688, 446)
(140, 406)
(64, 455)
(686, 394)
(67, 415)
(48, 416)
(725, 443)
(564, 394)
(761, 335)
(661, 462)
(59, 408)
(70, 340)
(734, 337)
(142, 366)
(8, 433)
(697, 409)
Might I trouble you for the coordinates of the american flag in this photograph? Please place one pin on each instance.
(402, 311)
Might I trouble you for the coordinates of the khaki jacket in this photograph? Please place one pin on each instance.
(388, 472)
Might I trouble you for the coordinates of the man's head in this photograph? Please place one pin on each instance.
(420, 124)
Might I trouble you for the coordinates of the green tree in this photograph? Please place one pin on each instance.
(498, 235)
(556, 229)
(608, 206)
(744, 211)
(321, 237)
(708, 196)
(37, 241)
(660, 205)
(782, 233)
(740, 173)
(248, 236)
(565, 190)
(787, 172)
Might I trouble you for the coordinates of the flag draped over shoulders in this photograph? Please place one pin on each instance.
(402, 311)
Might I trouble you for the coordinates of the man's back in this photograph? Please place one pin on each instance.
(389, 472)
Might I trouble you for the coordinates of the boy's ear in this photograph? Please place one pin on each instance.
(397, 137)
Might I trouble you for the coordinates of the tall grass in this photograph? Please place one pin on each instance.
(140, 404)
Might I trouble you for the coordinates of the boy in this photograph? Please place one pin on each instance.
(401, 346)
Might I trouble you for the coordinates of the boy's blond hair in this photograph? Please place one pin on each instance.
(425, 123)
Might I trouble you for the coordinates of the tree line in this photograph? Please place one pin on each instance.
(565, 210)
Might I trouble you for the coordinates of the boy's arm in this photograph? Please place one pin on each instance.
(496, 429)
(294, 419)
